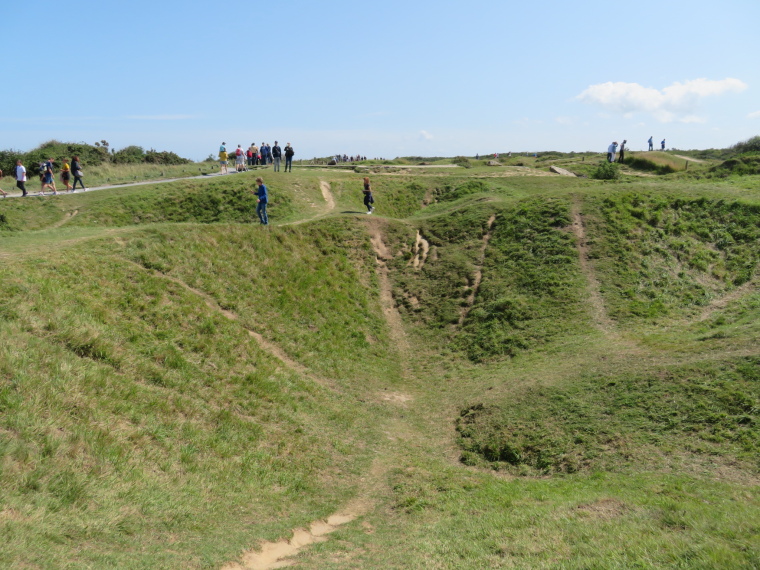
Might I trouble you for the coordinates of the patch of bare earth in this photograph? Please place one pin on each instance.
(66, 218)
(599, 314)
(390, 311)
(722, 302)
(604, 509)
(421, 249)
(478, 275)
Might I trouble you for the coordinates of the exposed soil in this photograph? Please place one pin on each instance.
(421, 249)
(599, 314)
(478, 275)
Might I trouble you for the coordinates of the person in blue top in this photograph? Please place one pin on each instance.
(651, 144)
(262, 199)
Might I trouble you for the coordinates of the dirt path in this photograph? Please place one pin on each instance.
(478, 276)
(723, 302)
(421, 249)
(66, 219)
(329, 199)
(392, 316)
(599, 314)
(264, 344)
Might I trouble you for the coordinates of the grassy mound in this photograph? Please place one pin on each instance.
(659, 255)
(614, 422)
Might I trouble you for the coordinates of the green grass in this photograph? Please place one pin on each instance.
(508, 424)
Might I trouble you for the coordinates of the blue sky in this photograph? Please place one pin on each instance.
(386, 78)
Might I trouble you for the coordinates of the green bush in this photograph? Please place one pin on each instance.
(462, 161)
(607, 171)
(750, 145)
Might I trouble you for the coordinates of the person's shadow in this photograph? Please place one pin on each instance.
(352, 212)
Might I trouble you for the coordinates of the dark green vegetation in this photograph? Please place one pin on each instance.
(89, 154)
(567, 377)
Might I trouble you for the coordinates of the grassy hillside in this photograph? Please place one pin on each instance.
(499, 368)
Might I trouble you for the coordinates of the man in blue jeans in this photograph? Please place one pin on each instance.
(276, 156)
(262, 199)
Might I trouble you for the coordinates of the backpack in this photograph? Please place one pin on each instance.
(238, 152)
(43, 168)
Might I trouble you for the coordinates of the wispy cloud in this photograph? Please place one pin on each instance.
(677, 102)
(755, 115)
(160, 117)
(424, 135)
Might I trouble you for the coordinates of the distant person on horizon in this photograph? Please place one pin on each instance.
(662, 145)
(76, 169)
(276, 156)
(651, 143)
(368, 199)
(20, 176)
(622, 151)
(289, 152)
(223, 159)
(261, 201)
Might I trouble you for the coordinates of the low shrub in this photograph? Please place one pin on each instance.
(607, 171)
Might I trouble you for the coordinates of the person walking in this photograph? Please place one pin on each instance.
(66, 174)
(261, 201)
(47, 180)
(651, 143)
(289, 152)
(662, 145)
(622, 151)
(368, 199)
(20, 176)
(276, 156)
(76, 169)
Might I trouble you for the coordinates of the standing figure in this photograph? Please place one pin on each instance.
(289, 152)
(651, 143)
(368, 199)
(611, 150)
(662, 145)
(20, 177)
(254, 154)
(261, 201)
(276, 156)
(66, 174)
(264, 155)
(223, 159)
(76, 169)
(239, 159)
(622, 151)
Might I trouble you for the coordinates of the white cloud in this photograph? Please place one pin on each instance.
(755, 115)
(675, 102)
(565, 120)
(424, 135)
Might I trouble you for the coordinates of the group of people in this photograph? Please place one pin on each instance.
(257, 156)
(613, 149)
(46, 172)
(651, 144)
(262, 199)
